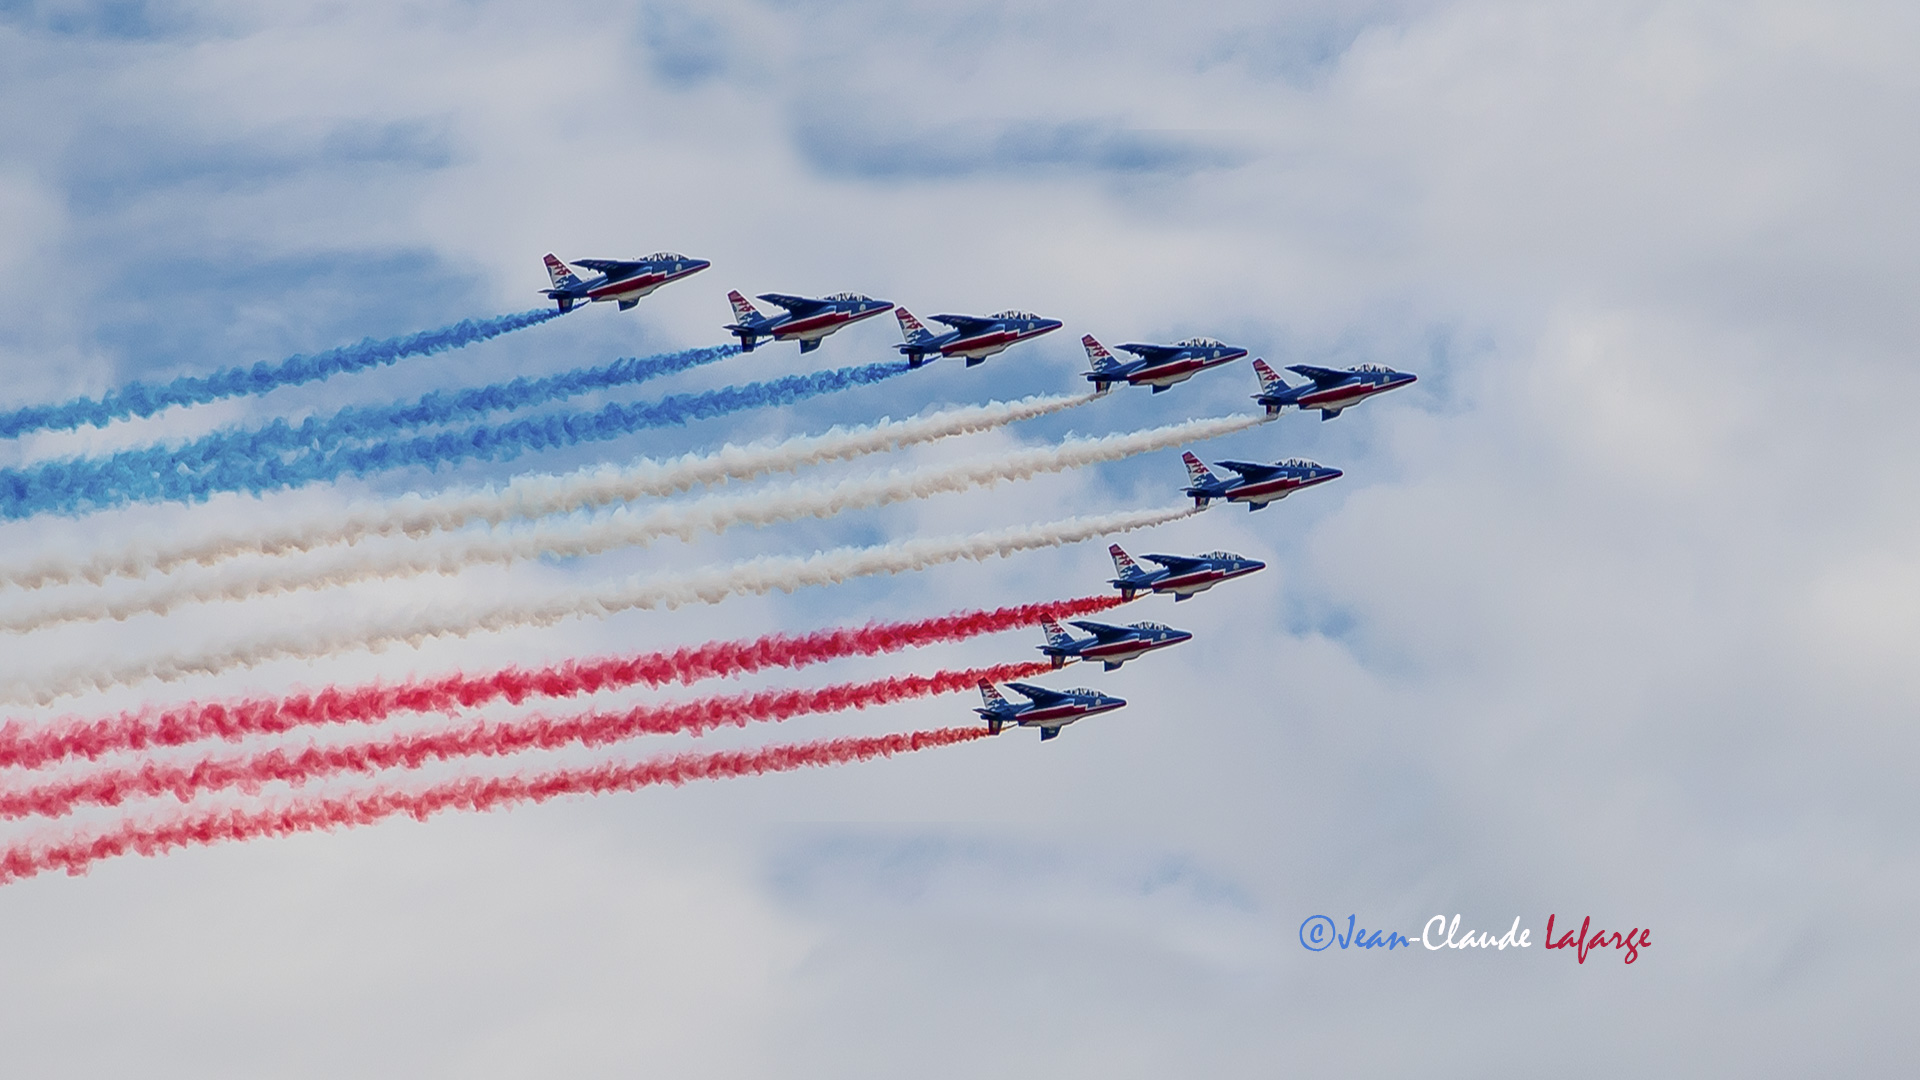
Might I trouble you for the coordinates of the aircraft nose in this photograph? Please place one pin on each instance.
(697, 265)
(1331, 474)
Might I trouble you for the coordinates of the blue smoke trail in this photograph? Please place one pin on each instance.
(225, 450)
(140, 399)
(83, 485)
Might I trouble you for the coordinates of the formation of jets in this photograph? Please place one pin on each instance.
(974, 338)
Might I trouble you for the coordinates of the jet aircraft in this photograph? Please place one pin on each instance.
(1329, 391)
(1048, 710)
(1111, 645)
(1257, 485)
(974, 337)
(1181, 575)
(1158, 366)
(622, 280)
(806, 320)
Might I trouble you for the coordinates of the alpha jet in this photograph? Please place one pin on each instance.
(973, 337)
(806, 319)
(1181, 575)
(1329, 391)
(622, 280)
(1111, 645)
(1158, 366)
(1048, 710)
(1257, 485)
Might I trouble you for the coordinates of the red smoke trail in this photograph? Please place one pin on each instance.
(112, 787)
(30, 747)
(78, 854)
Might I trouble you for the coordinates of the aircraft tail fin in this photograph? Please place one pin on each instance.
(1197, 474)
(1097, 355)
(1123, 563)
(910, 329)
(744, 313)
(990, 696)
(562, 274)
(1270, 381)
(1056, 635)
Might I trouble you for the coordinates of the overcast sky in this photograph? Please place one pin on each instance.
(1615, 613)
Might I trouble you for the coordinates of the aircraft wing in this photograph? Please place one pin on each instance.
(966, 324)
(1102, 630)
(1039, 695)
(613, 268)
(1321, 376)
(1153, 352)
(1250, 470)
(799, 305)
(1179, 564)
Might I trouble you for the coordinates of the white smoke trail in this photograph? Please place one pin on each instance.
(708, 586)
(572, 538)
(535, 496)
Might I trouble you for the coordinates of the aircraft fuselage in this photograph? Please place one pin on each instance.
(637, 286)
(1177, 371)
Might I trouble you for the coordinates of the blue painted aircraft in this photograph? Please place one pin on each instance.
(974, 337)
(1257, 485)
(1111, 645)
(622, 280)
(1158, 366)
(1048, 710)
(806, 319)
(1329, 390)
(1181, 575)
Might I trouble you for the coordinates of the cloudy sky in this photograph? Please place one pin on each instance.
(1615, 613)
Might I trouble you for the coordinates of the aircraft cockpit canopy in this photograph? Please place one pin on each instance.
(1201, 343)
(665, 256)
(1012, 314)
(847, 296)
(1223, 555)
(1377, 369)
(1300, 463)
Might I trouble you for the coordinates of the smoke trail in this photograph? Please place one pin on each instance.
(710, 586)
(112, 787)
(34, 747)
(537, 495)
(566, 538)
(75, 486)
(77, 854)
(218, 461)
(141, 399)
